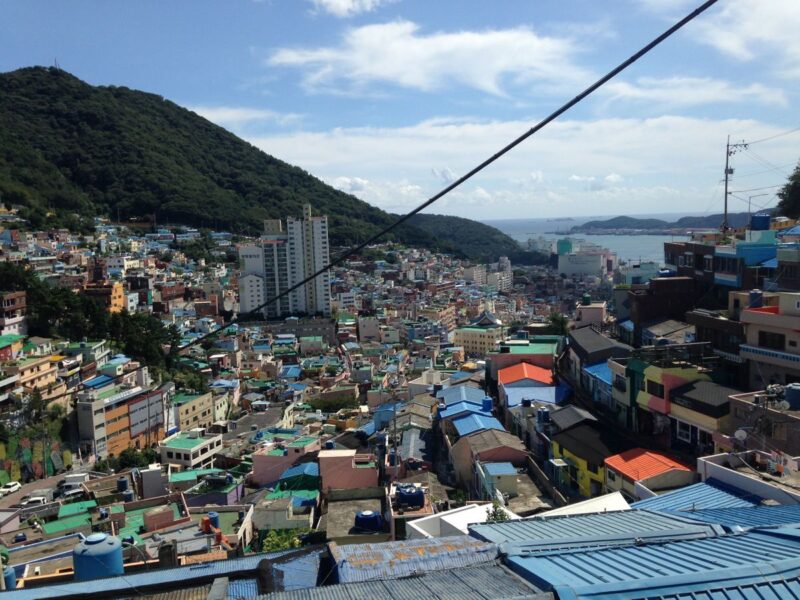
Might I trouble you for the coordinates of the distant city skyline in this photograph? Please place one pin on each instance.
(390, 100)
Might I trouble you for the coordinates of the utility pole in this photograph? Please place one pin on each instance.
(730, 150)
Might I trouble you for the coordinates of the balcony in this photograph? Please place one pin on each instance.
(766, 355)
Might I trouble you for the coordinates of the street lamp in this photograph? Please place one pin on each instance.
(749, 198)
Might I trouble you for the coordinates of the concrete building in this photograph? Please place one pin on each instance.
(347, 470)
(117, 418)
(192, 449)
(12, 313)
(280, 260)
(772, 335)
(192, 410)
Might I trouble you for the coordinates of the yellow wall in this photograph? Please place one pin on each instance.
(584, 475)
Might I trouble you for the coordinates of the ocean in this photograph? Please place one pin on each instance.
(628, 247)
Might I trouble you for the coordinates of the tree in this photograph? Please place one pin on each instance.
(283, 539)
(789, 194)
(496, 514)
(559, 323)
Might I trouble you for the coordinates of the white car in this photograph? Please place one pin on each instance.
(10, 488)
(34, 501)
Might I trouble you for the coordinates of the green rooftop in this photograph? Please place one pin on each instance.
(10, 338)
(182, 441)
(75, 508)
(134, 520)
(181, 399)
(532, 348)
(305, 494)
(67, 524)
(191, 475)
(301, 442)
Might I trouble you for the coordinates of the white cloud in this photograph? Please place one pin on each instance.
(446, 175)
(674, 161)
(351, 185)
(347, 8)
(692, 91)
(236, 116)
(398, 53)
(749, 29)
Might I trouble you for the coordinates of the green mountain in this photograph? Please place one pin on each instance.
(704, 222)
(70, 150)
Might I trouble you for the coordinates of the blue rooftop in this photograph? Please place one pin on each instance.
(662, 570)
(748, 516)
(710, 493)
(600, 371)
(627, 325)
(98, 382)
(472, 423)
(771, 263)
(595, 530)
(501, 468)
(460, 393)
(310, 469)
(461, 408)
(548, 394)
(290, 372)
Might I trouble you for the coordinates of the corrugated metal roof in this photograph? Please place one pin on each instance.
(372, 562)
(544, 534)
(748, 516)
(471, 423)
(486, 582)
(627, 572)
(460, 393)
(710, 493)
(242, 589)
(638, 464)
(461, 408)
(177, 577)
(310, 469)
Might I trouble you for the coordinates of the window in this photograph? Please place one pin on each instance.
(169, 454)
(655, 389)
(592, 467)
(684, 432)
(773, 341)
(611, 475)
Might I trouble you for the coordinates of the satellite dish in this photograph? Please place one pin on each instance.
(784, 405)
(740, 435)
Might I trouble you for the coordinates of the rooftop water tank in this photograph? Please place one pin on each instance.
(756, 299)
(487, 404)
(122, 484)
(586, 299)
(368, 520)
(10, 577)
(103, 513)
(98, 555)
(410, 496)
(330, 445)
(760, 222)
(792, 395)
(526, 402)
(545, 415)
(128, 496)
(213, 517)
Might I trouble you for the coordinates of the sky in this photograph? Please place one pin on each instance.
(391, 100)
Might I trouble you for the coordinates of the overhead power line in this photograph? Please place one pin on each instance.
(777, 135)
(480, 167)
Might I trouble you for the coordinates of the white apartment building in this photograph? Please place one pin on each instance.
(282, 259)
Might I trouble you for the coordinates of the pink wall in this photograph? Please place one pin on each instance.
(339, 471)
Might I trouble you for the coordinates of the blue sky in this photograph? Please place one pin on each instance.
(392, 99)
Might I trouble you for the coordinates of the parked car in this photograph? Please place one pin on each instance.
(10, 488)
(34, 501)
(20, 537)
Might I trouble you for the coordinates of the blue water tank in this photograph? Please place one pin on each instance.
(128, 539)
(213, 517)
(368, 520)
(98, 555)
(103, 513)
(330, 445)
(228, 478)
(755, 299)
(122, 484)
(390, 457)
(10, 577)
(792, 395)
(487, 404)
(760, 222)
(545, 415)
(128, 496)
(411, 496)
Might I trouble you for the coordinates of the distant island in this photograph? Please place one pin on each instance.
(560, 219)
(631, 225)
